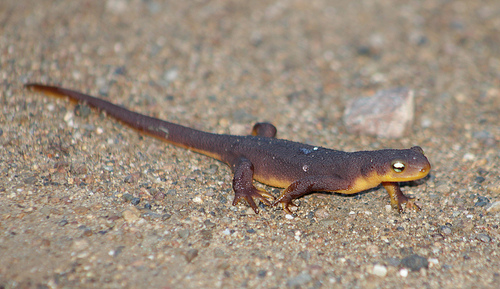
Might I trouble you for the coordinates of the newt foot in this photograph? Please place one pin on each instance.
(251, 195)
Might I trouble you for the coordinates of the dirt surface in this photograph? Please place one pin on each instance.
(87, 202)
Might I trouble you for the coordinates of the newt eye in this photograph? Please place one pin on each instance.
(398, 167)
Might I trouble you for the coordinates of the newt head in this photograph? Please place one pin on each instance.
(405, 165)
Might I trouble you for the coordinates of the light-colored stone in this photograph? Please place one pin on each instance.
(388, 113)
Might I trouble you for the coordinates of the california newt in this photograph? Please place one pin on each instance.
(297, 167)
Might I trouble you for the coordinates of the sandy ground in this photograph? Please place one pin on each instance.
(87, 202)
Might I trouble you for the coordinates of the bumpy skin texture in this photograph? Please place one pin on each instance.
(297, 167)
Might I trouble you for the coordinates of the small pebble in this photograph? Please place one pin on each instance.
(379, 270)
(116, 252)
(299, 280)
(63, 223)
(480, 204)
(45, 210)
(68, 116)
(87, 232)
(403, 272)
(150, 215)
(159, 196)
(483, 199)
(206, 234)
(82, 110)
(415, 262)
(183, 234)
(132, 178)
(306, 255)
(321, 213)
(219, 253)
(130, 215)
(30, 180)
(135, 201)
(79, 245)
(191, 254)
(212, 169)
(45, 242)
(127, 197)
(433, 261)
(81, 210)
(483, 238)
(494, 207)
(446, 230)
(468, 157)
(209, 224)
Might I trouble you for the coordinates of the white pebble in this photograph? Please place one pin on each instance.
(433, 262)
(379, 270)
(403, 272)
(469, 157)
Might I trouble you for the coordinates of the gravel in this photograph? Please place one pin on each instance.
(87, 202)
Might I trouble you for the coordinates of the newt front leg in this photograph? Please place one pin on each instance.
(397, 197)
(243, 185)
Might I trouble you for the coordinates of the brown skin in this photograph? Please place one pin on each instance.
(297, 167)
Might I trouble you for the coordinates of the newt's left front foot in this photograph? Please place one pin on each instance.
(243, 185)
(251, 195)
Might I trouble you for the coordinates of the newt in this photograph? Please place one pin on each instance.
(299, 168)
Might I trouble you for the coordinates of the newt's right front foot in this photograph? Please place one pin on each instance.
(286, 203)
(398, 199)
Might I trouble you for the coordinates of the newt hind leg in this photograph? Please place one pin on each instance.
(264, 129)
(243, 185)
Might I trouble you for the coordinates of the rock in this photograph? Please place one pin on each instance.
(299, 280)
(191, 254)
(306, 255)
(131, 215)
(80, 245)
(183, 234)
(483, 238)
(388, 113)
(445, 230)
(415, 262)
(494, 207)
(403, 272)
(379, 270)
